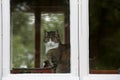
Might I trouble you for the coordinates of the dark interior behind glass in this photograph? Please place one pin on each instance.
(104, 36)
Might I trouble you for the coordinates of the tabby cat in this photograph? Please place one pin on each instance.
(58, 54)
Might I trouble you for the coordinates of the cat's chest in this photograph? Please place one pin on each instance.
(50, 45)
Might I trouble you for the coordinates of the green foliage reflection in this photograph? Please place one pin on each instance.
(22, 40)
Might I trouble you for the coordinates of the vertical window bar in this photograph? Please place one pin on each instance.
(37, 38)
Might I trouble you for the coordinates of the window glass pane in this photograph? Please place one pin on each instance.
(104, 36)
(40, 36)
(22, 40)
(51, 22)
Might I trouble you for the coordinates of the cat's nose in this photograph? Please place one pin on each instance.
(51, 44)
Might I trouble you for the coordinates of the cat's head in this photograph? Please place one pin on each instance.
(51, 38)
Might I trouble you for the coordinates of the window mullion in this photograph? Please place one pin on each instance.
(0, 42)
(37, 38)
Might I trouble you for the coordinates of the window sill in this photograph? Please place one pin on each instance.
(17, 71)
(104, 72)
(40, 77)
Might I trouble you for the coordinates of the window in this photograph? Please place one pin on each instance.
(84, 45)
(79, 71)
(27, 40)
(36, 30)
(104, 37)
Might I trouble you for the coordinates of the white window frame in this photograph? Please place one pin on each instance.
(35, 76)
(0, 42)
(84, 46)
(81, 47)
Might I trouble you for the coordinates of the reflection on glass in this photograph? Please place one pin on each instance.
(22, 40)
(51, 22)
(104, 37)
(40, 36)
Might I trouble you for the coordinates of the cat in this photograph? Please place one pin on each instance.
(51, 40)
(58, 54)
